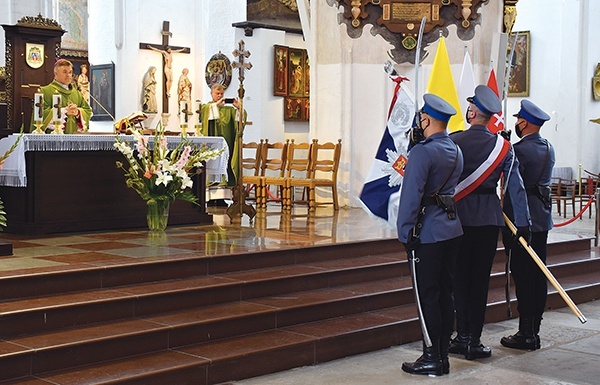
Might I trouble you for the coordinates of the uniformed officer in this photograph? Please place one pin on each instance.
(487, 157)
(536, 160)
(431, 174)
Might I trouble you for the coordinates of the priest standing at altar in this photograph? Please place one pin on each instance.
(75, 111)
(221, 119)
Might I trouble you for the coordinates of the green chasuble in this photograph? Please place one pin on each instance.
(73, 124)
(225, 126)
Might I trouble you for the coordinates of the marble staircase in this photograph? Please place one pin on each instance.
(213, 319)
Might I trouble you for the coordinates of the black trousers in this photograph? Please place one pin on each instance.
(435, 269)
(472, 276)
(530, 283)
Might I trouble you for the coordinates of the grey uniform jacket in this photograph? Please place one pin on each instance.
(429, 164)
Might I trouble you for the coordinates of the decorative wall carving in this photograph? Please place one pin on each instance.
(398, 21)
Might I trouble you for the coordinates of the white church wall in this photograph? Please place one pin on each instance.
(353, 92)
(563, 59)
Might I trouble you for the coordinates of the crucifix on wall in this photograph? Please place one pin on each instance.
(167, 53)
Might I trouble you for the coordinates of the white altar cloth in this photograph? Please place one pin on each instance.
(13, 172)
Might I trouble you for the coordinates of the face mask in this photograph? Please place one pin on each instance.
(467, 116)
(518, 130)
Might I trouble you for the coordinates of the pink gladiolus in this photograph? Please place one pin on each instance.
(142, 142)
(185, 155)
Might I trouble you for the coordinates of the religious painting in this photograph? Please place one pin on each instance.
(280, 70)
(293, 109)
(306, 75)
(218, 71)
(518, 84)
(306, 109)
(296, 71)
(73, 16)
(102, 91)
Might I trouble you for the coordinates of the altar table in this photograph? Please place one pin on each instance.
(70, 183)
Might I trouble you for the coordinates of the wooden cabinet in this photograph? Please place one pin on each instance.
(32, 48)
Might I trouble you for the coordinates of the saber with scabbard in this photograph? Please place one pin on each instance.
(412, 256)
(546, 272)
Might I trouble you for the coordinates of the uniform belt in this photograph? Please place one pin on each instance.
(484, 190)
(533, 190)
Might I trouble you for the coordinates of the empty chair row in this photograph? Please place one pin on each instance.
(286, 165)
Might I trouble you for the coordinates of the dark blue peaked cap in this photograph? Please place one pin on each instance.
(486, 100)
(532, 113)
(437, 108)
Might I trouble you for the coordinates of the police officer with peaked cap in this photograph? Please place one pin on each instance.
(426, 203)
(536, 160)
(487, 157)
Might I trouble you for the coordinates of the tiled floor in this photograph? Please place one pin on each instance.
(570, 351)
(267, 232)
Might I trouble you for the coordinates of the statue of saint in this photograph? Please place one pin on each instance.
(184, 88)
(83, 82)
(149, 99)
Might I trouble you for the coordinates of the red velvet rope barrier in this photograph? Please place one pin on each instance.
(587, 205)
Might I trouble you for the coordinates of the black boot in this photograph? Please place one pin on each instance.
(458, 345)
(475, 349)
(429, 363)
(524, 339)
(444, 344)
(537, 321)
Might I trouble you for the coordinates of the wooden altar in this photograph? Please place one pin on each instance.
(81, 189)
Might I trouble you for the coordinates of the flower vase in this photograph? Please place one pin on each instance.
(158, 214)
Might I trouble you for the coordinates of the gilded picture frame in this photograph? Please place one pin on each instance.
(280, 70)
(296, 72)
(518, 83)
(293, 110)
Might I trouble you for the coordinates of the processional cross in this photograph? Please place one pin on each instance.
(167, 63)
(239, 205)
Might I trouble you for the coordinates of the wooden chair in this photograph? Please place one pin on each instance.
(251, 169)
(324, 169)
(564, 192)
(273, 171)
(299, 173)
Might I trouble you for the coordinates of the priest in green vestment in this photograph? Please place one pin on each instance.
(219, 119)
(75, 111)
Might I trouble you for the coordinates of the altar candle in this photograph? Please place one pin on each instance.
(56, 105)
(38, 104)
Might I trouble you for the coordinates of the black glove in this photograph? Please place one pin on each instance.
(506, 134)
(511, 240)
(525, 232)
(411, 243)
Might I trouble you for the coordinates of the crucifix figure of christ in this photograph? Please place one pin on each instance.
(167, 52)
(239, 205)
